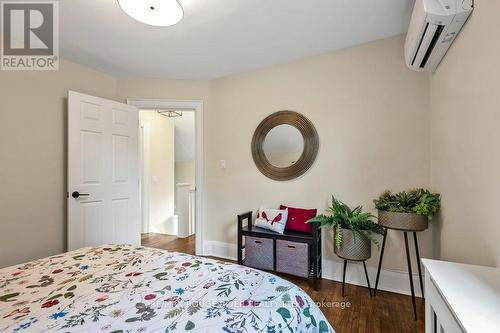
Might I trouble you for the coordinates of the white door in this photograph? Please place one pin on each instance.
(103, 174)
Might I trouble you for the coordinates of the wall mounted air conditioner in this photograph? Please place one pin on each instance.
(434, 26)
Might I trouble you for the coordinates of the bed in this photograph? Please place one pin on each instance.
(138, 289)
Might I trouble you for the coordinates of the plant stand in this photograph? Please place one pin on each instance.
(366, 275)
(352, 250)
(410, 275)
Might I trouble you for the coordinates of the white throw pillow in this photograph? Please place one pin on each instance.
(272, 219)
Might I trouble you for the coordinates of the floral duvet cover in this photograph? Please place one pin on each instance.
(139, 289)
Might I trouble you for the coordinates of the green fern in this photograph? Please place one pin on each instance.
(417, 201)
(341, 216)
(338, 237)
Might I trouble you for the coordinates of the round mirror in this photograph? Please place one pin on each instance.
(283, 146)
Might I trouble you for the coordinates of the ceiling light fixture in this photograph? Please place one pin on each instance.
(170, 113)
(160, 13)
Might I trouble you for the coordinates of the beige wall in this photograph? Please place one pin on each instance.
(185, 173)
(33, 157)
(371, 114)
(160, 163)
(465, 154)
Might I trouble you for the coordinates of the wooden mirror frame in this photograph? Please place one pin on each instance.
(306, 160)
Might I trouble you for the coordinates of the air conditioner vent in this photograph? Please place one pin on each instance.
(434, 26)
(434, 40)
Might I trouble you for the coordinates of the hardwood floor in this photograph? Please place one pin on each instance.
(357, 312)
(167, 242)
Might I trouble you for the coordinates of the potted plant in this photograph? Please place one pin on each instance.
(353, 230)
(408, 210)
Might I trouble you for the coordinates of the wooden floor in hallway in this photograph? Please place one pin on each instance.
(169, 242)
(357, 312)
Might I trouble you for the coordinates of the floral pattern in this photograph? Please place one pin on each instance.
(137, 289)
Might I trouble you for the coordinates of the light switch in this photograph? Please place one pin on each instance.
(222, 164)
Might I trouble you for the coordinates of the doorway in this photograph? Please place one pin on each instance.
(170, 153)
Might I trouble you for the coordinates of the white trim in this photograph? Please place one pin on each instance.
(390, 280)
(144, 169)
(220, 249)
(197, 107)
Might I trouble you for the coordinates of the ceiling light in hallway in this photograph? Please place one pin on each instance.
(170, 113)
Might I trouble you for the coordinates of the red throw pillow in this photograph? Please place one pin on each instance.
(297, 218)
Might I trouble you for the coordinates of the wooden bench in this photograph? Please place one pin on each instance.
(313, 240)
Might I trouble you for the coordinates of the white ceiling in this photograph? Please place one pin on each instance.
(222, 37)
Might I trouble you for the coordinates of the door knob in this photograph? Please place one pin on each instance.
(77, 194)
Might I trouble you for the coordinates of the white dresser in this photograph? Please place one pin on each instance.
(461, 298)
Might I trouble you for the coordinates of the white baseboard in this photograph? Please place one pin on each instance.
(219, 249)
(390, 280)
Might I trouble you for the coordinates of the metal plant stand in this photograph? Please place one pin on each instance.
(366, 275)
(354, 249)
(410, 275)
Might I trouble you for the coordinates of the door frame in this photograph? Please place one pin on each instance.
(144, 177)
(197, 107)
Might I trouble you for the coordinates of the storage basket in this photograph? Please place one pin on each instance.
(292, 258)
(259, 253)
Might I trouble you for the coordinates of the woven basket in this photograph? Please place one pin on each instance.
(259, 253)
(357, 248)
(292, 258)
(402, 221)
